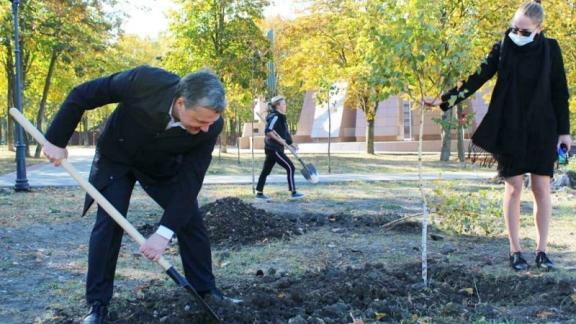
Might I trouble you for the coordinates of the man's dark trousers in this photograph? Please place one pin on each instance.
(106, 239)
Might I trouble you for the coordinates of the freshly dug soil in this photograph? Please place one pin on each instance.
(233, 223)
(371, 293)
(351, 221)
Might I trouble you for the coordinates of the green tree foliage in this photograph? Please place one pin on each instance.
(57, 38)
(64, 43)
(224, 36)
(560, 23)
(336, 33)
(287, 85)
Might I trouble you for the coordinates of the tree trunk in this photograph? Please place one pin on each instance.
(370, 136)
(9, 68)
(27, 143)
(42, 106)
(223, 137)
(461, 150)
(86, 131)
(10, 135)
(2, 137)
(446, 136)
(370, 120)
(329, 136)
(238, 132)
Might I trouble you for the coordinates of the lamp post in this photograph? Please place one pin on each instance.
(21, 180)
(271, 77)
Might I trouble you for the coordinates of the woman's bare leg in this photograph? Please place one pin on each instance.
(511, 206)
(542, 209)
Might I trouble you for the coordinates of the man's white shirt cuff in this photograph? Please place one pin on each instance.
(165, 232)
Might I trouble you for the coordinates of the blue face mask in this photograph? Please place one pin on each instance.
(521, 40)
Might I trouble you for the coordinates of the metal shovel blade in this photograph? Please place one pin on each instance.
(182, 282)
(310, 173)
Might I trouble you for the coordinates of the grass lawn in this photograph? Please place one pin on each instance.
(43, 244)
(361, 163)
(227, 163)
(8, 160)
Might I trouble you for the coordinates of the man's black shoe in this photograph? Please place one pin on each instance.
(97, 315)
(217, 295)
(517, 262)
(543, 262)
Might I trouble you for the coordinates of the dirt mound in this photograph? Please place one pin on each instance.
(232, 222)
(372, 293)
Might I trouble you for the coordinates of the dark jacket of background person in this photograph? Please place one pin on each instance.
(529, 104)
(135, 138)
(277, 121)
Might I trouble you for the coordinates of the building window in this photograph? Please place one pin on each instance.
(407, 114)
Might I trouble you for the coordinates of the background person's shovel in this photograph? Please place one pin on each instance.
(308, 170)
(118, 218)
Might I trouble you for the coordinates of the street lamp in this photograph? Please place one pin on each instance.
(21, 180)
(271, 77)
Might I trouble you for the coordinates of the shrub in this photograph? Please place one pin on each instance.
(467, 213)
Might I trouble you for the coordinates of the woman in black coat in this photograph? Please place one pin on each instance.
(277, 137)
(527, 120)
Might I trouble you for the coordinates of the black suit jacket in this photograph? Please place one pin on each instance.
(135, 139)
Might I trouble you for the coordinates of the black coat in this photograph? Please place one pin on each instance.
(517, 124)
(135, 138)
(276, 121)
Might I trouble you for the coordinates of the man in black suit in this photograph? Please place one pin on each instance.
(161, 134)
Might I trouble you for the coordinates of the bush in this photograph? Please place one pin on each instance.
(467, 213)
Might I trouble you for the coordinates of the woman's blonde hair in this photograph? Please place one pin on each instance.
(533, 10)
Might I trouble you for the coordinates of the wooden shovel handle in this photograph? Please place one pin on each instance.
(87, 186)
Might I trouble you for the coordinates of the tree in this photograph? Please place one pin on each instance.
(67, 28)
(317, 37)
(58, 37)
(27, 12)
(222, 35)
(376, 78)
(430, 53)
(337, 33)
(560, 23)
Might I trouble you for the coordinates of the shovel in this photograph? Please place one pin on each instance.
(308, 170)
(118, 218)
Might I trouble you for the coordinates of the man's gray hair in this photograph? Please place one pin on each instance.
(202, 89)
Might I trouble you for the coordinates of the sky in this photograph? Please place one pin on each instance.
(147, 18)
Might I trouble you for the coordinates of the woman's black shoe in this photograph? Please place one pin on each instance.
(543, 262)
(517, 262)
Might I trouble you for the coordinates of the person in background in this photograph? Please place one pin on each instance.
(277, 138)
(526, 123)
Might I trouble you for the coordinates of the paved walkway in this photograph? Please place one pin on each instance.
(43, 175)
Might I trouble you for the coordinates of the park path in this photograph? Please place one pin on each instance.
(46, 175)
